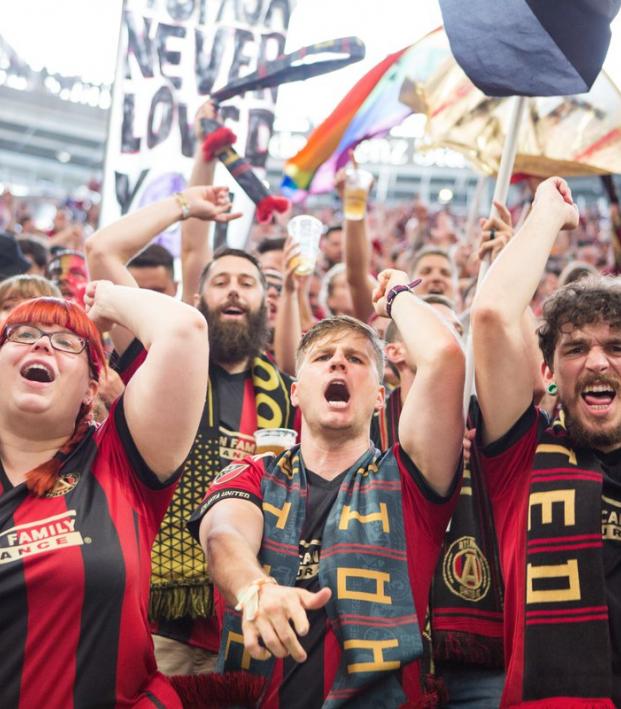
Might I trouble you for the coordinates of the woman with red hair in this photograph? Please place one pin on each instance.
(80, 505)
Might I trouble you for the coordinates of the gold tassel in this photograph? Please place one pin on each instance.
(181, 601)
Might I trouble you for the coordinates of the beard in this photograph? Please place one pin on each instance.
(601, 436)
(231, 342)
(583, 437)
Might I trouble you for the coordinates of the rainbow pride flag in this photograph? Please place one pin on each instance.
(370, 109)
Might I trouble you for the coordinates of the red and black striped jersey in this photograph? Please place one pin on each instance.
(74, 580)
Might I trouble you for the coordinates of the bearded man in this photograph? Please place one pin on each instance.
(246, 392)
(555, 487)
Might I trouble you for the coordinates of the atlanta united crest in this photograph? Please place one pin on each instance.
(465, 570)
(65, 483)
(229, 473)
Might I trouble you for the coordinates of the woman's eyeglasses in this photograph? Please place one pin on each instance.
(63, 341)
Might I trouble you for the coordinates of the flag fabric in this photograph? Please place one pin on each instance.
(218, 143)
(530, 47)
(559, 135)
(371, 108)
(305, 63)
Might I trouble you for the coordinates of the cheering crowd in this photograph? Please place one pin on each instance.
(400, 554)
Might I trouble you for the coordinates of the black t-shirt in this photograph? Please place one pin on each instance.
(321, 496)
(230, 393)
(611, 534)
(230, 396)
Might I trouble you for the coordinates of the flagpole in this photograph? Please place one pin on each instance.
(501, 191)
(473, 210)
(107, 188)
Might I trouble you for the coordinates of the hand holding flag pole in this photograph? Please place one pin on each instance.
(501, 191)
(218, 143)
(302, 64)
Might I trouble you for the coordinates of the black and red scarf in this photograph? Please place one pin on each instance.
(466, 602)
(566, 641)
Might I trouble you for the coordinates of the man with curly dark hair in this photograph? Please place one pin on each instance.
(592, 302)
(555, 488)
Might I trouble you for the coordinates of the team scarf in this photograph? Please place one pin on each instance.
(467, 591)
(466, 602)
(180, 584)
(364, 562)
(566, 644)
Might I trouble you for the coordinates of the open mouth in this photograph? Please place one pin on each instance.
(233, 310)
(37, 372)
(337, 394)
(598, 397)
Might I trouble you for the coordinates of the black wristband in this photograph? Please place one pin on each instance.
(394, 292)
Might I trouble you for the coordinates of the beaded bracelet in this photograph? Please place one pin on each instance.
(248, 600)
(182, 201)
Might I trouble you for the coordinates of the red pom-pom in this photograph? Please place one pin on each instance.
(270, 204)
(217, 691)
(214, 142)
(518, 177)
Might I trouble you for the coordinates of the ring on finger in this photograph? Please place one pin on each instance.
(492, 234)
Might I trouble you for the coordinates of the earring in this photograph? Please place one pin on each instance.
(552, 389)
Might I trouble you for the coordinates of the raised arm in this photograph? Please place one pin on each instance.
(164, 400)
(504, 380)
(231, 534)
(358, 266)
(357, 255)
(109, 249)
(195, 249)
(431, 425)
(288, 330)
(496, 232)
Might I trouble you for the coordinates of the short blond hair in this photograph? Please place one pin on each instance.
(338, 325)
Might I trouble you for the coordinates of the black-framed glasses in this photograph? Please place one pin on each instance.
(63, 341)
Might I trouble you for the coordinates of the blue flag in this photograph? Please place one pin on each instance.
(530, 47)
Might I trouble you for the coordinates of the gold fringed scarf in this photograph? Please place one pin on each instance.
(180, 582)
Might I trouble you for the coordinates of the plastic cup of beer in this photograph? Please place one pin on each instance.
(274, 440)
(357, 185)
(306, 231)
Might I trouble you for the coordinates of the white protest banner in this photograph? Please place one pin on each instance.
(172, 55)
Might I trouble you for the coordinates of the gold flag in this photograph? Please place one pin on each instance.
(565, 135)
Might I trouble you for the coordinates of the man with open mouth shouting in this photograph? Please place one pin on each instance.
(555, 488)
(325, 553)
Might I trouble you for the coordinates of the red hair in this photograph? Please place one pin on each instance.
(54, 311)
